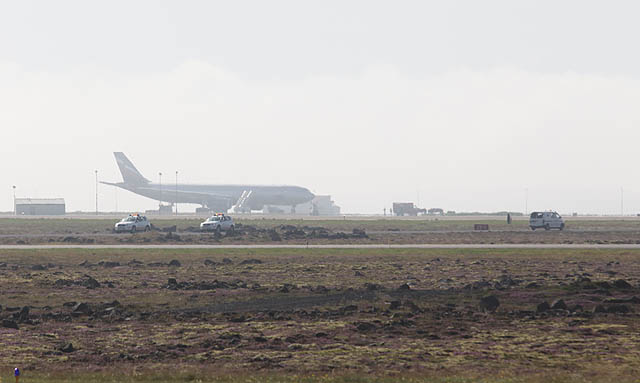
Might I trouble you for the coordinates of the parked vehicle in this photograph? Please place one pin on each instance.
(132, 224)
(546, 220)
(407, 208)
(218, 223)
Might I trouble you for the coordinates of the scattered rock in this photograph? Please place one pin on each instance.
(599, 309)
(274, 236)
(559, 304)
(81, 308)
(542, 307)
(633, 299)
(22, 315)
(372, 286)
(404, 287)
(365, 326)
(38, 267)
(67, 347)
(90, 283)
(8, 323)
(618, 309)
(170, 229)
(108, 264)
(134, 262)
(251, 262)
(175, 263)
(489, 303)
(621, 284)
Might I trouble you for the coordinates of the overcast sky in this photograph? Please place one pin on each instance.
(466, 103)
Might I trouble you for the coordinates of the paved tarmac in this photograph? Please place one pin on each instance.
(369, 246)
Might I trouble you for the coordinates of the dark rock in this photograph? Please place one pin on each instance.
(238, 319)
(227, 261)
(69, 304)
(8, 323)
(38, 267)
(81, 308)
(359, 233)
(489, 303)
(321, 289)
(633, 299)
(347, 309)
(542, 307)
(558, 305)
(260, 339)
(365, 326)
(108, 264)
(172, 282)
(603, 285)
(373, 286)
(412, 306)
(134, 262)
(251, 262)
(532, 285)
(478, 285)
(394, 305)
(274, 236)
(621, 284)
(23, 315)
(618, 309)
(208, 262)
(170, 229)
(404, 287)
(599, 309)
(359, 274)
(90, 283)
(67, 347)
(175, 263)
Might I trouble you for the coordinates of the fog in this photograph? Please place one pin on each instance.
(464, 105)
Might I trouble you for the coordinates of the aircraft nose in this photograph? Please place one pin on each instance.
(308, 195)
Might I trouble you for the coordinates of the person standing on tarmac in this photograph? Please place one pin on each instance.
(508, 218)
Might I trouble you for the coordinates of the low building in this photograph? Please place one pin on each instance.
(40, 206)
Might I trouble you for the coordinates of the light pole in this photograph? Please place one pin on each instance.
(160, 205)
(176, 192)
(526, 201)
(96, 191)
(14, 200)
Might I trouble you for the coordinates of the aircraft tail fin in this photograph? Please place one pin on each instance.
(130, 175)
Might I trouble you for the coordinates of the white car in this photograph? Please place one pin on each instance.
(546, 220)
(218, 223)
(132, 224)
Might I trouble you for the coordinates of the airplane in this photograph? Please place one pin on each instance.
(218, 198)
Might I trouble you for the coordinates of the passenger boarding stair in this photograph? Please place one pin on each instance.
(242, 205)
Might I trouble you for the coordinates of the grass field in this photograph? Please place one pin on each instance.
(336, 231)
(317, 315)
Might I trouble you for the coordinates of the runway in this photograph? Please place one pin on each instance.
(370, 246)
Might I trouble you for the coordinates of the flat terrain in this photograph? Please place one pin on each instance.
(343, 315)
(185, 230)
